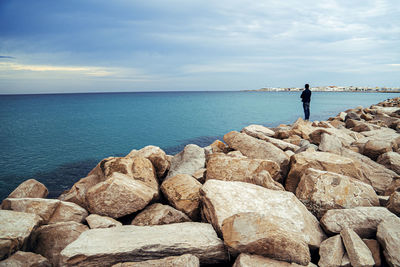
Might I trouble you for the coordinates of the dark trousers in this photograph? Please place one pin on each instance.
(306, 107)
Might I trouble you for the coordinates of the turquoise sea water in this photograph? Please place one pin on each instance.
(58, 139)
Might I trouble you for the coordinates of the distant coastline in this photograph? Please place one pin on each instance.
(361, 89)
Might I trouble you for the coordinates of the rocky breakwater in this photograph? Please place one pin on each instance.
(307, 194)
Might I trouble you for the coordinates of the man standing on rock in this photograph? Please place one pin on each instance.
(306, 98)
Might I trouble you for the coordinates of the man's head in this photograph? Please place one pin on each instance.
(307, 86)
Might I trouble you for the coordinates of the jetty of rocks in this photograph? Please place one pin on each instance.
(322, 193)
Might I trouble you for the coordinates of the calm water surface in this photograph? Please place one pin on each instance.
(58, 139)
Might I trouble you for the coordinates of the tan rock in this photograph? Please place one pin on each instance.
(200, 175)
(374, 148)
(346, 261)
(258, 131)
(157, 157)
(294, 139)
(390, 160)
(263, 235)
(321, 161)
(158, 214)
(219, 147)
(236, 154)
(30, 188)
(96, 221)
(183, 192)
(302, 128)
(186, 260)
(374, 247)
(25, 259)
(321, 191)
(68, 211)
(255, 171)
(221, 199)
(104, 247)
(394, 203)
(363, 220)
(15, 229)
(248, 260)
(393, 187)
(49, 240)
(119, 196)
(42, 207)
(329, 143)
(188, 161)
(257, 149)
(342, 134)
(358, 252)
(388, 235)
(331, 252)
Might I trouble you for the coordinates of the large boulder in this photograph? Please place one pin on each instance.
(390, 160)
(344, 135)
(321, 161)
(258, 131)
(358, 252)
(321, 191)
(104, 247)
(388, 235)
(25, 259)
(221, 199)
(331, 252)
(249, 260)
(119, 196)
(254, 171)
(375, 249)
(15, 229)
(185, 260)
(30, 188)
(49, 240)
(183, 193)
(158, 214)
(259, 234)
(374, 148)
(394, 203)
(96, 221)
(68, 211)
(188, 161)
(363, 220)
(157, 157)
(330, 143)
(257, 149)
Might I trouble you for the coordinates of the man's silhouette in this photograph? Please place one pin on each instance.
(306, 98)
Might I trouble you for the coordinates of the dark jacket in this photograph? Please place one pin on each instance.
(306, 96)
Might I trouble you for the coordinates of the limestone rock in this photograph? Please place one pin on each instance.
(388, 236)
(352, 115)
(49, 240)
(263, 235)
(25, 259)
(374, 247)
(104, 247)
(374, 148)
(363, 220)
(221, 199)
(186, 260)
(321, 191)
(329, 143)
(68, 211)
(200, 175)
(158, 214)
(255, 171)
(321, 161)
(219, 147)
(183, 192)
(331, 252)
(188, 161)
(30, 188)
(119, 196)
(390, 160)
(15, 229)
(294, 139)
(248, 260)
(358, 252)
(258, 131)
(394, 203)
(257, 149)
(96, 221)
(157, 157)
(393, 187)
(344, 135)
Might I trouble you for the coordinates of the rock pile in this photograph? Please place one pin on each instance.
(308, 194)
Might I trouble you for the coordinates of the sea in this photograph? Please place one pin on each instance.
(58, 138)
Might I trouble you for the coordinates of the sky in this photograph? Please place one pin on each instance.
(70, 46)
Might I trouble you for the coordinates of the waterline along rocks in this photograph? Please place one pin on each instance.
(322, 193)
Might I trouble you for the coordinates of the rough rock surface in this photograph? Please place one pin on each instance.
(15, 229)
(68, 211)
(188, 161)
(390, 160)
(358, 252)
(200, 175)
(330, 143)
(183, 193)
(30, 188)
(221, 199)
(219, 147)
(157, 157)
(158, 214)
(363, 220)
(258, 131)
(374, 148)
(186, 260)
(321, 191)
(104, 247)
(394, 203)
(252, 171)
(248, 260)
(25, 259)
(331, 252)
(49, 240)
(388, 236)
(263, 235)
(96, 221)
(374, 247)
(257, 149)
